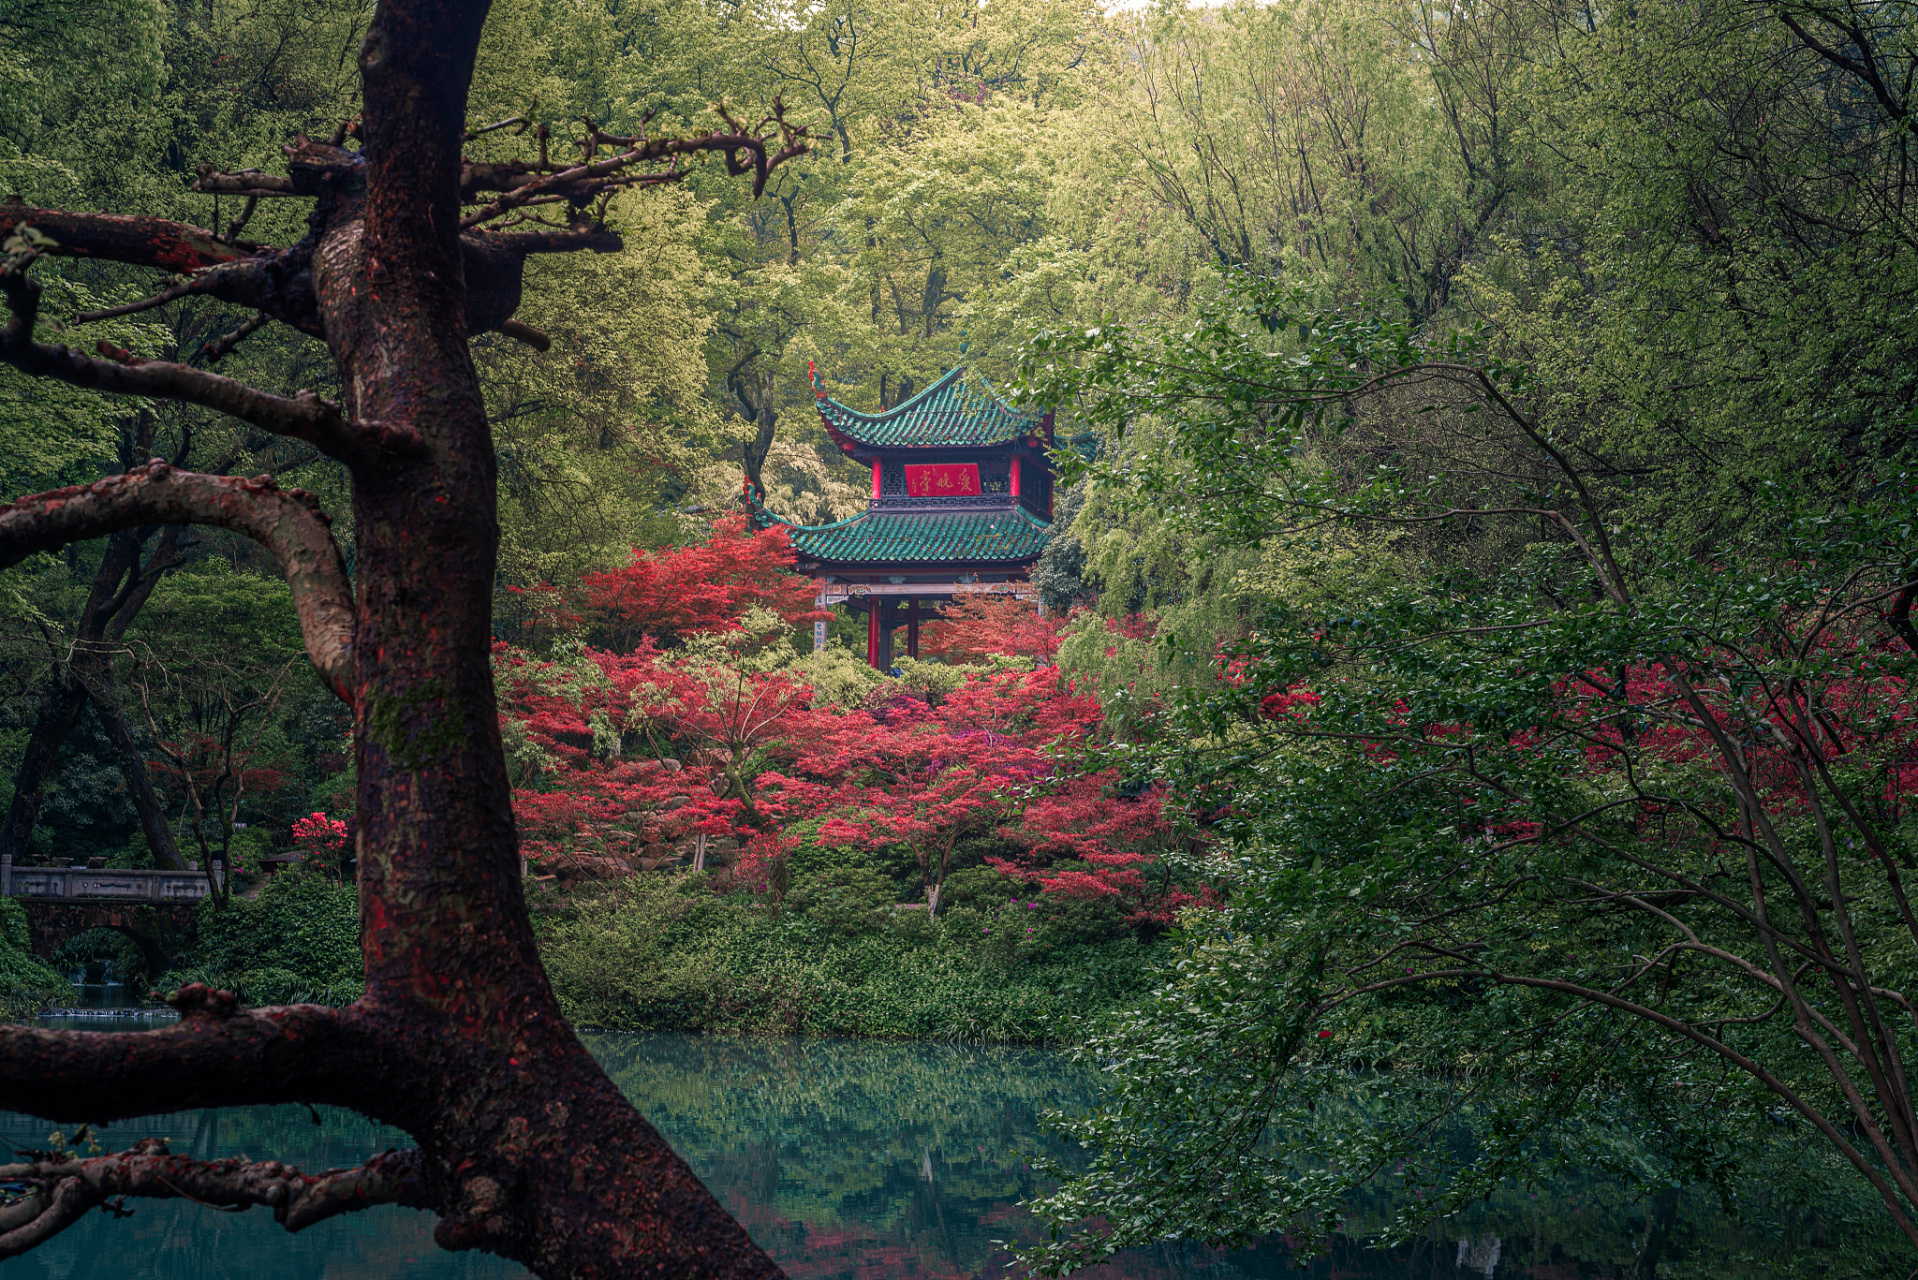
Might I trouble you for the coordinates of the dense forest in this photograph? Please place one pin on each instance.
(1470, 691)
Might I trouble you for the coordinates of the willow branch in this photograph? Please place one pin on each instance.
(1894, 1202)
(286, 522)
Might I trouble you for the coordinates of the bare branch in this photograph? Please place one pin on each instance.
(522, 332)
(222, 346)
(233, 228)
(518, 124)
(590, 177)
(61, 1188)
(138, 241)
(247, 182)
(228, 280)
(599, 239)
(288, 523)
(304, 417)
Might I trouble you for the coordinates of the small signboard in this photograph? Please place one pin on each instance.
(943, 480)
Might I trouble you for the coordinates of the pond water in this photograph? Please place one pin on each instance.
(856, 1160)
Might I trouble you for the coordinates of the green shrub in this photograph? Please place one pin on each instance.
(14, 932)
(26, 985)
(297, 940)
(638, 955)
(1077, 922)
(809, 856)
(244, 850)
(134, 855)
(663, 953)
(910, 926)
(843, 901)
(980, 887)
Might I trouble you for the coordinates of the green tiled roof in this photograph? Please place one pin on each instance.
(1006, 534)
(952, 412)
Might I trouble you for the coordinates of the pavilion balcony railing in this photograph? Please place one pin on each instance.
(968, 502)
(99, 884)
(832, 593)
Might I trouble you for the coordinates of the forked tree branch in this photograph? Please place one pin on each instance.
(61, 1188)
(287, 523)
(764, 147)
(304, 417)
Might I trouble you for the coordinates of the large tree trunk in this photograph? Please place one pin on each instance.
(525, 1147)
(59, 710)
(121, 587)
(133, 767)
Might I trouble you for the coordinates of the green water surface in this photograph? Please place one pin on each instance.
(859, 1160)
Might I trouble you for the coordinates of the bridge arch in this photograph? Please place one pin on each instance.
(156, 910)
(161, 930)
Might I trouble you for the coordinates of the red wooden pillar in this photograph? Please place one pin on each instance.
(875, 479)
(873, 610)
(912, 620)
(1015, 479)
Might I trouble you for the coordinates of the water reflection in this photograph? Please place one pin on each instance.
(850, 1160)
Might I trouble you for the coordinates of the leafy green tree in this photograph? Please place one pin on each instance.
(1716, 281)
(1602, 826)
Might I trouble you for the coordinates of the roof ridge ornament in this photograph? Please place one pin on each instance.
(818, 392)
(951, 413)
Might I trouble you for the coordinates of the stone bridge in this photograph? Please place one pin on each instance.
(154, 909)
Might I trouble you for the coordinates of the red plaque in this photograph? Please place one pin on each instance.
(943, 480)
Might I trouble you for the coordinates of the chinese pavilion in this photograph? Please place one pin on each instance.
(961, 503)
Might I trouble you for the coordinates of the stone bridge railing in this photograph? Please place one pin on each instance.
(65, 884)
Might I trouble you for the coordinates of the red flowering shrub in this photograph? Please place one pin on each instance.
(317, 833)
(971, 628)
(624, 759)
(681, 591)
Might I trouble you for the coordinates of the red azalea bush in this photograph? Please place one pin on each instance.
(972, 628)
(317, 833)
(675, 592)
(638, 755)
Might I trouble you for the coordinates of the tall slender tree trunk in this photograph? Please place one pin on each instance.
(59, 711)
(121, 587)
(133, 767)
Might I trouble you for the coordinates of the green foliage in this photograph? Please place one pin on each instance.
(1391, 322)
(843, 901)
(663, 953)
(298, 939)
(26, 984)
(977, 887)
(1520, 782)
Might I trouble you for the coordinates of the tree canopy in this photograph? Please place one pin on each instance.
(1477, 622)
